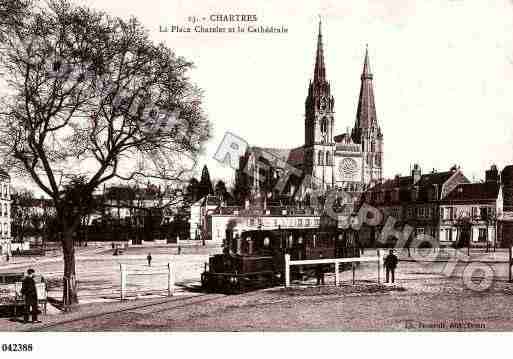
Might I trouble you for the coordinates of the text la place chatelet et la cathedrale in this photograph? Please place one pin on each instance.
(245, 25)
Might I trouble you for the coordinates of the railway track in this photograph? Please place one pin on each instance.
(148, 308)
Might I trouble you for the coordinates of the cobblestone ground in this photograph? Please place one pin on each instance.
(421, 299)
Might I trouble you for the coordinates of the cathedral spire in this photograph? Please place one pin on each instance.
(366, 112)
(366, 73)
(320, 69)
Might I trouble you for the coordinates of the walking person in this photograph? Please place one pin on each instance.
(319, 272)
(148, 257)
(390, 265)
(29, 292)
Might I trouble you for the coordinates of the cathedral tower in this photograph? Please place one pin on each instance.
(366, 131)
(319, 121)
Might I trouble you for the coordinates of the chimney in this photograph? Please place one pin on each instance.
(416, 173)
(492, 175)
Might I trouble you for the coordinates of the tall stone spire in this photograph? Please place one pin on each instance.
(366, 73)
(320, 69)
(366, 113)
(319, 103)
(366, 131)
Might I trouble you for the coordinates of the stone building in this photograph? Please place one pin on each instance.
(351, 161)
(413, 201)
(447, 206)
(469, 212)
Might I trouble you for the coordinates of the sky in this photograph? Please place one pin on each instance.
(443, 73)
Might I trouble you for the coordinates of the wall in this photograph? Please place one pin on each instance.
(217, 224)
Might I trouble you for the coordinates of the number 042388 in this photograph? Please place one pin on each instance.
(16, 347)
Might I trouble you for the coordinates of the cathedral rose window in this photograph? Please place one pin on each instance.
(348, 167)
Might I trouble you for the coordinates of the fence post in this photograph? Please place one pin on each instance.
(379, 266)
(170, 280)
(337, 274)
(122, 268)
(353, 268)
(509, 262)
(287, 270)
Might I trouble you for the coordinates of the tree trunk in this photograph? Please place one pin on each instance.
(69, 293)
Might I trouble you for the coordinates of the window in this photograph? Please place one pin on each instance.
(447, 213)
(307, 223)
(267, 241)
(299, 222)
(320, 158)
(410, 212)
(328, 161)
(324, 125)
(486, 213)
(482, 235)
(448, 234)
(317, 222)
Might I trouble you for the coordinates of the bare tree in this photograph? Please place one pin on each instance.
(91, 96)
(12, 12)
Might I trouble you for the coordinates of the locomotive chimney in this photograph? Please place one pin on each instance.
(238, 243)
(250, 247)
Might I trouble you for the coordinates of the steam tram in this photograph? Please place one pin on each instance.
(256, 258)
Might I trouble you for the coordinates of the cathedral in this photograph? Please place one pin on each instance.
(351, 161)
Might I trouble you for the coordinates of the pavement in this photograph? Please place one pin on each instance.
(423, 292)
(418, 301)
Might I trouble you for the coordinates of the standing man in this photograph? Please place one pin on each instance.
(148, 257)
(29, 291)
(319, 272)
(390, 265)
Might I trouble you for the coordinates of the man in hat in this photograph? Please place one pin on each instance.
(390, 265)
(29, 291)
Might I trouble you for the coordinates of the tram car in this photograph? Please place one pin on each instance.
(256, 258)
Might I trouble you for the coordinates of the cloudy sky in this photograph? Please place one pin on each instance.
(443, 73)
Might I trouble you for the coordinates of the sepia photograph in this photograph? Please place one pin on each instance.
(209, 167)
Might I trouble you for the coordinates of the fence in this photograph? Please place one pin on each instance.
(378, 258)
(125, 272)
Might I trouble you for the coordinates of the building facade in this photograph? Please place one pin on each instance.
(351, 161)
(447, 207)
(413, 202)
